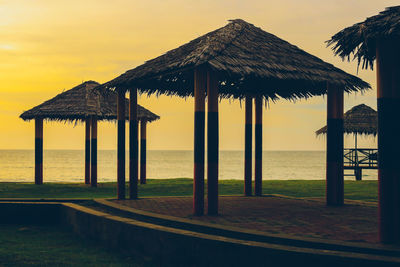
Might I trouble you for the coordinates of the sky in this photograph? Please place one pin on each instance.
(50, 46)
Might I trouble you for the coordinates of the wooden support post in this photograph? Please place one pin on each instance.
(93, 176)
(212, 143)
(200, 79)
(133, 145)
(87, 150)
(248, 146)
(334, 147)
(258, 147)
(143, 124)
(357, 170)
(121, 145)
(358, 174)
(388, 85)
(355, 143)
(38, 151)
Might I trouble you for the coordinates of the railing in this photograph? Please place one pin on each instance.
(360, 158)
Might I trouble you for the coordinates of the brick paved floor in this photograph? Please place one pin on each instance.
(300, 217)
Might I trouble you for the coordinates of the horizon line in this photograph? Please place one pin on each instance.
(186, 150)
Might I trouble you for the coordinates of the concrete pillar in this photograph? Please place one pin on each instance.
(388, 94)
(133, 145)
(258, 147)
(200, 79)
(93, 176)
(88, 122)
(121, 146)
(334, 147)
(38, 151)
(212, 142)
(143, 151)
(248, 146)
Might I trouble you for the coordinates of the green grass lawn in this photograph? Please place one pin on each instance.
(356, 190)
(22, 245)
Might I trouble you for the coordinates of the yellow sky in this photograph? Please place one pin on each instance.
(49, 46)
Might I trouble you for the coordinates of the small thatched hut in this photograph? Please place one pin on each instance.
(378, 38)
(238, 61)
(360, 119)
(82, 102)
(87, 102)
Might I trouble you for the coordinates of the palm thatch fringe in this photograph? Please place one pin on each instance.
(81, 102)
(359, 40)
(249, 62)
(360, 119)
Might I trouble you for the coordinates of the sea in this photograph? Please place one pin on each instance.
(65, 166)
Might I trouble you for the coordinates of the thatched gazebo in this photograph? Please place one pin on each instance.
(378, 38)
(360, 119)
(244, 62)
(87, 102)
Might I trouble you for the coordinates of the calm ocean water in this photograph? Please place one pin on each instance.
(68, 165)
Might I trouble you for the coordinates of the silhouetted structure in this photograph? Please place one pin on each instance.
(240, 61)
(378, 37)
(360, 119)
(86, 102)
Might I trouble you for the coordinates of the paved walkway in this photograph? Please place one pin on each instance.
(277, 215)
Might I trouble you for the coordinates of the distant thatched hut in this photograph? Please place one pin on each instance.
(245, 62)
(360, 119)
(83, 102)
(86, 102)
(378, 38)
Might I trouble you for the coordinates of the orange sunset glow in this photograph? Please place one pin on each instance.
(46, 48)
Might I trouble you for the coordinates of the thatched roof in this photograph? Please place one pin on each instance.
(81, 102)
(360, 119)
(249, 60)
(360, 39)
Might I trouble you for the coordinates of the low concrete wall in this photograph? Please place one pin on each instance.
(172, 246)
(243, 234)
(176, 247)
